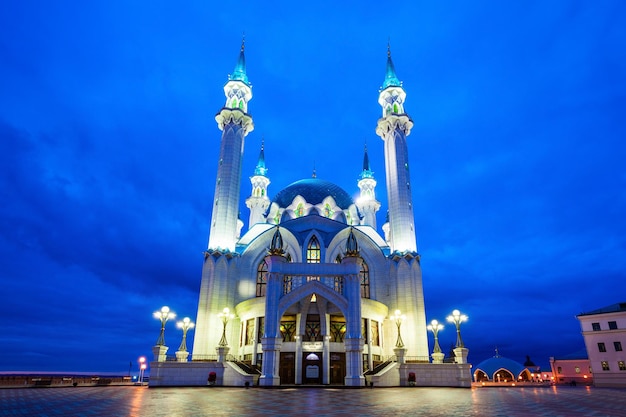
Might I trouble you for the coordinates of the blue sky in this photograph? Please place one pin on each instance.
(108, 154)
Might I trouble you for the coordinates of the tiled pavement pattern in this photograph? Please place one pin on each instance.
(217, 401)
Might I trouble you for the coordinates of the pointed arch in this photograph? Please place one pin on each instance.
(313, 251)
(364, 278)
(261, 279)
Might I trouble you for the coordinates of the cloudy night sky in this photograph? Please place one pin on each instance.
(109, 150)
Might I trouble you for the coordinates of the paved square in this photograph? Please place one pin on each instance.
(217, 401)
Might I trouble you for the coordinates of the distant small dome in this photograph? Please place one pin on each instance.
(492, 365)
(314, 191)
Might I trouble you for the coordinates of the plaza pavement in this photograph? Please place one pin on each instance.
(218, 401)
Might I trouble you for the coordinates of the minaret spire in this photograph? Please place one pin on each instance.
(394, 126)
(239, 73)
(258, 202)
(367, 203)
(235, 123)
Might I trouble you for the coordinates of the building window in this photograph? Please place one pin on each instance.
(375, 335)
(605, 366)
(260, 330)
(622, 365)
(559, 370)
(618, 346)
(288, 329)
(250, 332)
(261, 279)
(313, 251)
(612, 325)
(337, 329)
(300, 210)
(601, 347)
(365, 279)
(312, 330)
(595, 327)
(577, 369)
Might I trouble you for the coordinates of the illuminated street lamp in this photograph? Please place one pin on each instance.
(142, 368)
(434, 327)
(185, 325)
(457, 318)
(398, 318)
(164, 315)
(225, 315)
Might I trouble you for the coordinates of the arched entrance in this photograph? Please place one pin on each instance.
(324, 308)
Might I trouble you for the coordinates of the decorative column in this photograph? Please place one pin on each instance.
(353, 340)
(272, 340)
(298, 361)
(326, 360)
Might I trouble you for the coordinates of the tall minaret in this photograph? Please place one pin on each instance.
(393, 128)
(367, 203)
(258, 202)
(235, 123)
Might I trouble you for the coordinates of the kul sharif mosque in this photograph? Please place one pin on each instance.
(311, 293)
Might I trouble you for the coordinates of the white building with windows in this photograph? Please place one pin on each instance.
(312, 284)
(604, 331)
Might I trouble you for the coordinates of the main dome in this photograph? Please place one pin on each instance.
(314, 191)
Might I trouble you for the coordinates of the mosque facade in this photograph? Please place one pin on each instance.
(312, 292)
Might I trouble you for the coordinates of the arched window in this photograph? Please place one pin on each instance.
(387, 110)
(299, 210)
(328, 212)
(261, 279)
(364, 274)
(241, 105)
(313, 251)
(234, 104)
(395, 108)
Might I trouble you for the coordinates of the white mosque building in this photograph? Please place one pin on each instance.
(312, 288)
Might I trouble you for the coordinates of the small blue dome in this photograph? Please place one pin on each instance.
(492, 365)
(314, 191)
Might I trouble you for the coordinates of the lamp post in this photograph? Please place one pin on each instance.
(163, 315)
(434, 327)
(398, 317)
(142, 368)
(457, 318)
(225, 315)
(185, 325)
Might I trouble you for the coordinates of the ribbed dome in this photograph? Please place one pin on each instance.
(492, 365)
(314, 191)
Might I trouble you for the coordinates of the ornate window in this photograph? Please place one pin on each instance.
(328, 212)
(288, 330)
(312, 330)
(313, 251)
(261, 279)
(395, 108)
(337, 330)
(299, 210)
(365, 279)
(287, 284)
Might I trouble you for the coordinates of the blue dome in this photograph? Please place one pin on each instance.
(314, 191)
(492, 365)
